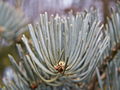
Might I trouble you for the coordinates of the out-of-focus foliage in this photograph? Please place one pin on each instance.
(12, 23)
(32, 8)
(110, 78)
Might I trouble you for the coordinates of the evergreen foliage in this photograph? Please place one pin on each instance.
(67, 53)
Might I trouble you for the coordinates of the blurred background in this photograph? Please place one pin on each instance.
(16, 14)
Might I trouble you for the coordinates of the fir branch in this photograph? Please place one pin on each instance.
(65, 50)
